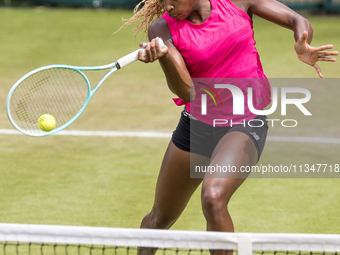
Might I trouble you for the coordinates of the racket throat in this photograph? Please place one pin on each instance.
(118, 65)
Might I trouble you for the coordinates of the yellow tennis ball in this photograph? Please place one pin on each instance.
(46, 122)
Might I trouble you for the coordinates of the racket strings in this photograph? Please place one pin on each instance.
(60, 92)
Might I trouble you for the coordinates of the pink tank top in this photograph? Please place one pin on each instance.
(221, 49)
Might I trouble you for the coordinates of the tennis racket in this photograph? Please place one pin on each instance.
(62, 91)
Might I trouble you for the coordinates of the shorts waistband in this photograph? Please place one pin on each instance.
(187, 114)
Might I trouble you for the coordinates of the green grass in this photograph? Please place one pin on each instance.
(83, 183)
(97, 181)
(276, 48)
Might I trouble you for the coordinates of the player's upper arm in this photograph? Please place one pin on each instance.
(173, 63)
(274, 11)
(160, 28)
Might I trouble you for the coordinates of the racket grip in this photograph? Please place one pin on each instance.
(133, 56)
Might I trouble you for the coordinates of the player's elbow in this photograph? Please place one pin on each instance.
(192, 94)
(189, 95)
(187, 99)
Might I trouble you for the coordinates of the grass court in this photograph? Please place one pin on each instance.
(110, 181)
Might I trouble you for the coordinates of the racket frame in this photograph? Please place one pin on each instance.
(120, 63)
(90, 92)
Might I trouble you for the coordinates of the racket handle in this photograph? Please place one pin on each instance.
(133, 56)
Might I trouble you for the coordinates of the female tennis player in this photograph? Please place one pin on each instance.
(212, 39)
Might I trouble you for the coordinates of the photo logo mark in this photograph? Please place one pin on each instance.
(204, 97)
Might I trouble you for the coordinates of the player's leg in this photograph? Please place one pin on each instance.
(174, 187)
(241, 146)
(235, 149)
(173, 190)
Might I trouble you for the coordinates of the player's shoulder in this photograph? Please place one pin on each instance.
(159, 24)
(159, 28)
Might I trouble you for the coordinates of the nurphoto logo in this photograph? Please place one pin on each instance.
(243, 100)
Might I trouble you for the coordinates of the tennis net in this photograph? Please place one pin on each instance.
(47, 239)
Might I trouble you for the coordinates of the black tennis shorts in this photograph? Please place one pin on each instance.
(200, 138)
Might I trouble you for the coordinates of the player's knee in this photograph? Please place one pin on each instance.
(160, 220)
(213, 204)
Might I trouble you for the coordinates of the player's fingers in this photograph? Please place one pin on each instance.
(324, 47)
(303, 38)
(301, 46)
(327, 59)
(325, 55)
(141, 55)
(144, 53)
(328, 53)
(318, 70)
(157, 43)
(153, 50)
(142, 44)
(158, 48)
(162, 49)
(150, 52)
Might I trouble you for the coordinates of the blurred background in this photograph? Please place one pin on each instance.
(315, 6)
(73, 3)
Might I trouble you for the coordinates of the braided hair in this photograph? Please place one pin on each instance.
(144, 13)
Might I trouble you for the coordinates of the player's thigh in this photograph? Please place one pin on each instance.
(174, 185)
(234, 150)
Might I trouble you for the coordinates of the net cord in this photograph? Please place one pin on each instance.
(243, 242)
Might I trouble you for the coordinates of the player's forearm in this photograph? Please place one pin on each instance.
(280, 14)
(178, 77)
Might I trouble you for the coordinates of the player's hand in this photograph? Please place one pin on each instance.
(152, 51)
(310, 55)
